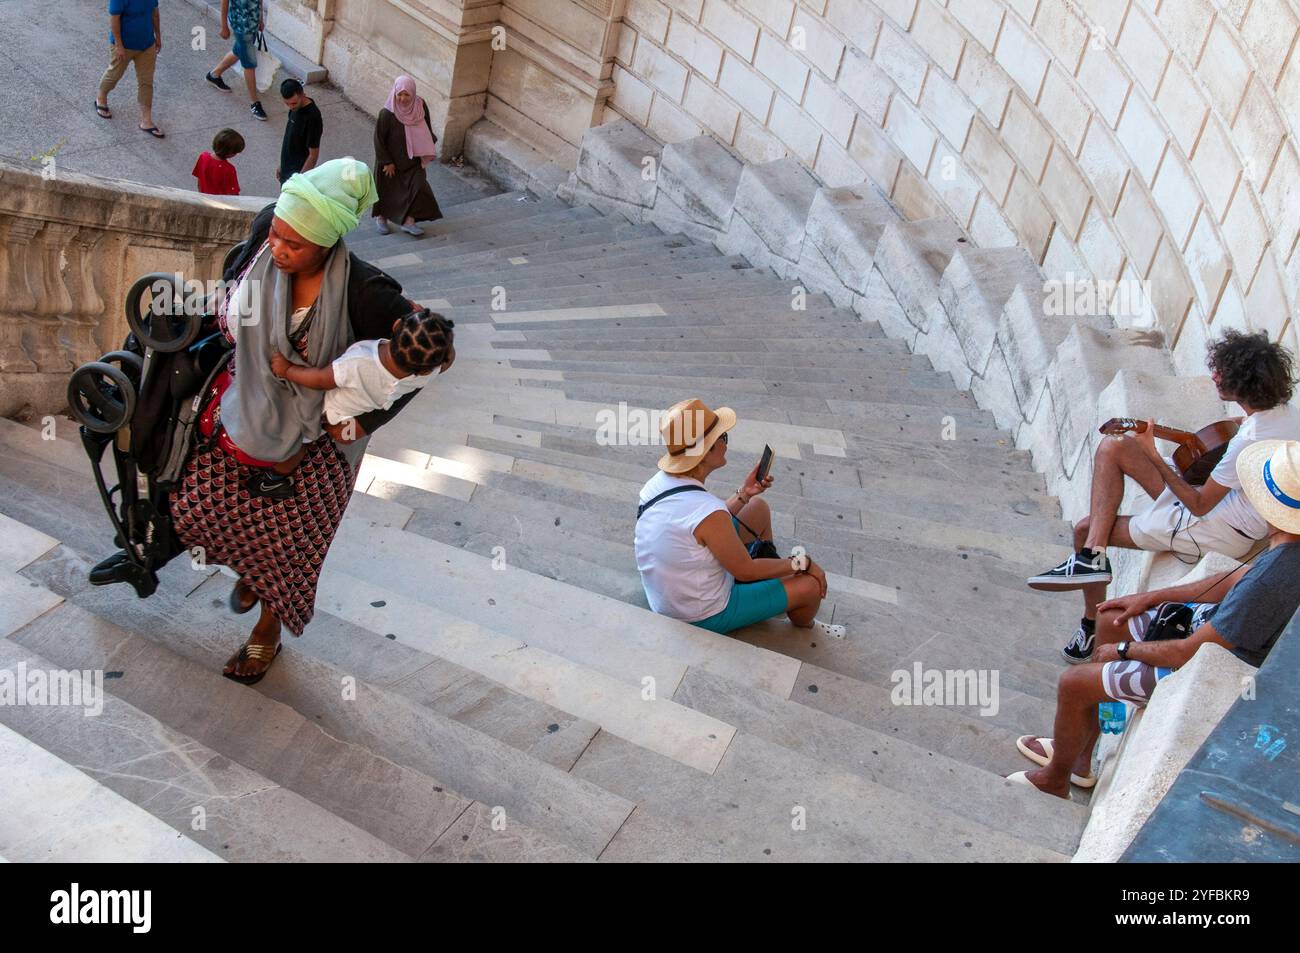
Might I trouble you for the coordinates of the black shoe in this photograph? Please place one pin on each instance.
(1079, 648)
(218, 82)
(270, 486)
(1082, 569)
(257, 111)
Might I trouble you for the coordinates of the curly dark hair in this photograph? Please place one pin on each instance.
(421, 340)
(1252, 369)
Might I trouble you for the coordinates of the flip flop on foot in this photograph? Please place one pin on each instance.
(1039, 751)
(833, 630)
(414, 230)
(251, 651)
(153, 131)
(104, 111)
(1022, 778)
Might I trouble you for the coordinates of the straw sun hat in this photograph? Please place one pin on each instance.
(1269, 471)
(690, 429)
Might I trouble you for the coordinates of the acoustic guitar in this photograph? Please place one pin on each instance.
(1197, 454)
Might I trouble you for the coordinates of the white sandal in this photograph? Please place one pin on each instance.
(1022, 745)
(833, 630)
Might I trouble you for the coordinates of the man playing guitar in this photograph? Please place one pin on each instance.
(1184, 519)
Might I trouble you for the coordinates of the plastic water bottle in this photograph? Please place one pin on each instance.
(1111, 715)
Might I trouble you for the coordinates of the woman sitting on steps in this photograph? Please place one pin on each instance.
(691, 546)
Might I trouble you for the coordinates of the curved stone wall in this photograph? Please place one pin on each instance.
(1146, 141)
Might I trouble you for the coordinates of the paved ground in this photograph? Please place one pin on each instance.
(52, 55)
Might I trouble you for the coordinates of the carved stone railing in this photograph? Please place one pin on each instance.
(70, 245)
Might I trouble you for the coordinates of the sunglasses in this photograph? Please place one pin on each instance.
(723, 438)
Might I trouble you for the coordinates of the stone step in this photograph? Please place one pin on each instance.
(52, 813)
(694, 259)
(202, 798)
(877, 395)
(593, 630)
(766, 801)
(582, 239)
(740, 300)
(617, 706)
(503, 209)
(720, 277)
(695, 359)
(844, 333)
(555, 260)
(951, 731)
(477, 236)
(947, 783)
(349, 739)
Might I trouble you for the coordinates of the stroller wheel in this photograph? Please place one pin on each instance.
(130, 363)
(156, 313)
(101, 397)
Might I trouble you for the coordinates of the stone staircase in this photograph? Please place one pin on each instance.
(474, 685)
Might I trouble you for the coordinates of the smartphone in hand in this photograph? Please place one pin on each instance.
(765, 463)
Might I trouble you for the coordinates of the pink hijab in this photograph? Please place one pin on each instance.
(419, 140)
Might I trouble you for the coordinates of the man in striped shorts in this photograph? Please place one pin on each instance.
(1244, 611)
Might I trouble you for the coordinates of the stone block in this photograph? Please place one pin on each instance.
(1087, 361)
(1022, 56)
(1105, 82)
(746, 87)
(701, 176)
(912, 257)
(1028, 337)
(845, 226)
(612, 161)
(774, 198)
(865, 83)
(975, 288)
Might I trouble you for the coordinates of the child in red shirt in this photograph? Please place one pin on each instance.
(213, 169)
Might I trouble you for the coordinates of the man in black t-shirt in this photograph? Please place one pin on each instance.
(302, 131)
(1244, 611)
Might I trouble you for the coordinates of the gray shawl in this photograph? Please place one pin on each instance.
(269, 418)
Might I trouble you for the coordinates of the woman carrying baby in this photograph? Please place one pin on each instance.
(295, 290)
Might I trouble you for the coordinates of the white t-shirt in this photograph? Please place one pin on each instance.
(1280, 423)
(682, 578)
(364, 384)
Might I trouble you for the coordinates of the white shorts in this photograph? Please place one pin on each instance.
(1166, 526)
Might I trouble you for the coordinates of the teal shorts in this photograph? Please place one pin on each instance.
(750, 602)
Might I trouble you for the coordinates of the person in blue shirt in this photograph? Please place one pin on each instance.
(242, 19)
(135, 36)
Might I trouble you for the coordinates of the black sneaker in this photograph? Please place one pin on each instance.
(257, 111)
(1079, 648)
(1082, 569)
(218, 82)
(270, 486)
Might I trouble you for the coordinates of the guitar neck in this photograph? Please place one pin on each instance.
(1177, 436)
(1164, 433)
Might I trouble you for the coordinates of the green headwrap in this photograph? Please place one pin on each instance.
(326, 203)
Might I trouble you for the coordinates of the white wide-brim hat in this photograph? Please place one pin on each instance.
(1269, 471)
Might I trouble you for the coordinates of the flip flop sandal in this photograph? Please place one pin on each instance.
(1022, 745)
(237, 606)
(153, 131)
(1021, 779)
(103, 111)
(257, 653)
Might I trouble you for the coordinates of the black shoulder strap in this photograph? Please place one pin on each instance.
(666, 493)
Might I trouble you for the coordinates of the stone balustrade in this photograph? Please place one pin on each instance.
(70, 246)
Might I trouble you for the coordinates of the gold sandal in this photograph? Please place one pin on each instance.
(257, 653)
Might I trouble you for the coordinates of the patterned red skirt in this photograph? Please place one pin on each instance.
(277, 546)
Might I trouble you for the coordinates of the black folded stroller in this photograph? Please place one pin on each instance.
(145, 402)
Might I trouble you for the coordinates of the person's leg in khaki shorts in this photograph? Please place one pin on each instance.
(144, 67)
(116, 68)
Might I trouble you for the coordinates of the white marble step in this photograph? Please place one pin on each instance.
(617, 706)
(51, 812)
